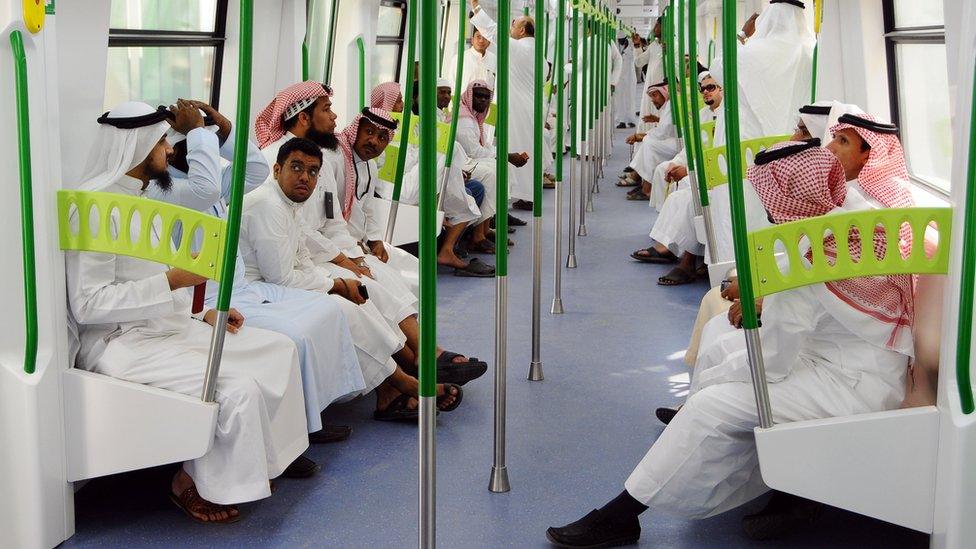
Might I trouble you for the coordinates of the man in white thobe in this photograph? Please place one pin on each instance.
(651, 57)
(656, 146)
(133, 322)
(624, 101)
(827, 353)
(479, 63)
(521, 89)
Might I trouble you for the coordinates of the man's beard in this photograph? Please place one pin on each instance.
(162, 180)
(322, 139)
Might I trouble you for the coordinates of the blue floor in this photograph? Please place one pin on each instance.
(614, 356)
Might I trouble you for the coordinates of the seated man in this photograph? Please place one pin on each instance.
(816, 340)
(473, 109)
(315, 323)
(132, 318)
(656, 146)
(274, 251)
(459, 207)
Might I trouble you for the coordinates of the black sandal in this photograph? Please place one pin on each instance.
(653, 256)
(459, 373)
(676, 277)
(482, 247)
(458, 395)
(476, 268)
(397, 410)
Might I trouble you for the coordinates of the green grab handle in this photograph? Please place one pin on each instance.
(361, 52)
(537, 117)
(964, 331)
(750, 320)
(765, 244)
(241, 129)
(407, 113)
(305, 60)
(26, 201)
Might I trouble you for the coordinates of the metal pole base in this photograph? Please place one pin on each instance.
(589, 205)
(571, 261)
(582, 228)
(535, 371)
(596, 186)
(499, 480)
(557, 303)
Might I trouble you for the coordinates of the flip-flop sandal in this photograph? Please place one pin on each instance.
(676, 277)
(460, 373)
(190, 499)
(653, 256)
(638, 196)
(458, 396)
(397, 411)
(482, 247)
(626, 182)
(476, 268)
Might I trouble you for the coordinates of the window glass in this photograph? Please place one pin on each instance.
(918, 13)
(158, 75)
(924, 110)
(319, 20)
(168, 15)
(384, 63)
(390, 21)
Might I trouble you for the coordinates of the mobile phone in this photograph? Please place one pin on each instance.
(363, 292)
(329, 210)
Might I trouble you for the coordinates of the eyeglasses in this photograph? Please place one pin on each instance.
(708, 88)
(297, 168)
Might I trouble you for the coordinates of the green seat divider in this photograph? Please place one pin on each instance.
(708, 135)
(387, 171)
(767, 278)
(492, 118)
(443, 132)
(207, 260)
(716, 169)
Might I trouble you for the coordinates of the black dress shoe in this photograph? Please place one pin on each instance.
(596, 530)
(330, 433)
(621, 126)
(302, 467)
(665, 415)
(783, 515)
(516, 222)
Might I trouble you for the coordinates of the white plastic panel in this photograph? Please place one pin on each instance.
(881, 465)
(407, 228)
(112, 426)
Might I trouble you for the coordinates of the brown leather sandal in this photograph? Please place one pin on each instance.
(191, 502)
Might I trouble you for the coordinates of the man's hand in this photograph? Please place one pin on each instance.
(178, 278)
(224, 125)
(188, 117)
(518, 159)
(235, 320)
(349, 289)
(377, 248)
(749, 28)
(357, 266)
(731, 292)
(735, 312)
(675, 173)
(636, 138)
(650, 118)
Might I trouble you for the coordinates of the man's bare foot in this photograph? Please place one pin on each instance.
(184, 495)
(406, 384)
(447, 258)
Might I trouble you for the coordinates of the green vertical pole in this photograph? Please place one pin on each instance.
(682, 78)
(750, 321)
(305, 59)
(538, 116)
(408, 93)
(26, 201)
(361, 53)
(575, 112)
(499, 472)
(428, 271)
(558, 81)
(964, 332)
(458, 74)
(241, 128)
(330, 49)
(537, 102)
(696, 160)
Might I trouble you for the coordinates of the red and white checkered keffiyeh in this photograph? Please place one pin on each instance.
(385, 95)
(287, 103)
(466, 110)
(347, 140)
(660, 88)
(809, 183)
(885, 175)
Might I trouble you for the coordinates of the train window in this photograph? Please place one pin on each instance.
(160, 52)
(322, 20)
(388, 50)
(918, 87)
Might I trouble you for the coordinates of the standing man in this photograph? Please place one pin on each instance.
(479, 63)
(624, 105)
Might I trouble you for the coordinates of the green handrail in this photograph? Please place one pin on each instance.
(305, 59)
(964, 331)
(817, 21)
(537, 115)
(26, 201)
(587, 69)
(361, 52)
(695, 159)
(734, 159)
(682, 77)
(501, 146)
(428, 199)
(330, 50)
(558, 82)
(574, 91)
(407, 113)
(768, 278)
(669, 70)
(458, 74)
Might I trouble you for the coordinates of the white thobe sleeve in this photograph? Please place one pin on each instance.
(642, 58)
(469, 137)
(485, 24)
(201, 188)
(337, 229)
(96, 298)
(374, 227)
(256, 170)
(315, 218)
(616, 65)
(277, 262)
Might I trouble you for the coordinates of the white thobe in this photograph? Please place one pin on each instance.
(819, 365)
(521, 71)
(481, 163)
(658, 145)
(133, 327)
(653, 57)
(625, 103)
(476, 67)
(272, 247)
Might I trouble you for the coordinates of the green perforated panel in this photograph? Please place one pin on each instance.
(708, 135)
(492, 118)
(391, 156)
(767, 278)
(443, 132)
(716, 168)
(151, 245)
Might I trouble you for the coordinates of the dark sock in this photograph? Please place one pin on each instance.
(623, 506)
